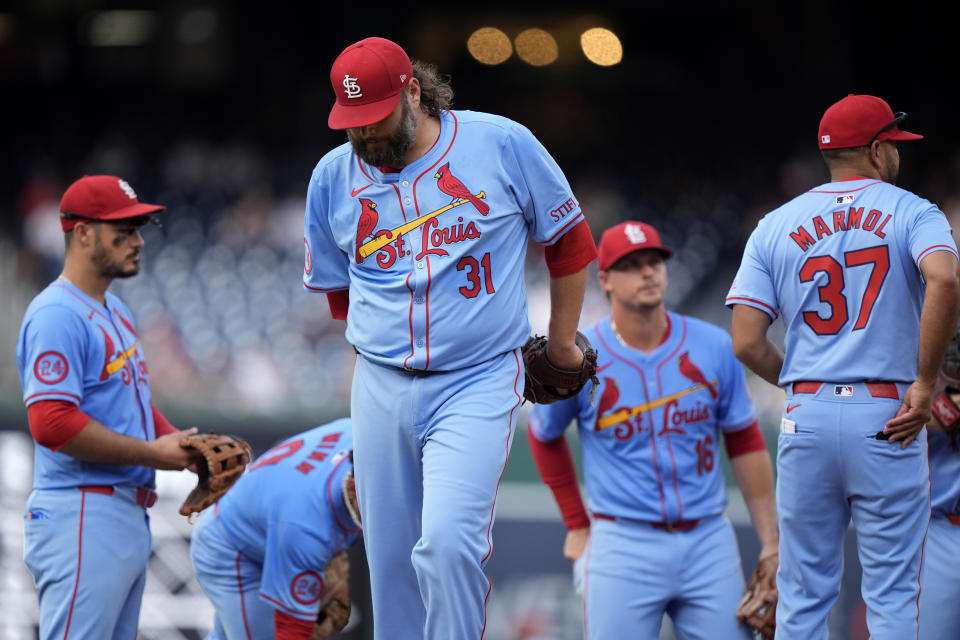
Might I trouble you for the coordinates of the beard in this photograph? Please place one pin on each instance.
(108, 269)
(373, 153)
(893, 167)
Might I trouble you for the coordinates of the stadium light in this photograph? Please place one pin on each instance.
(601, 47)
(120, 28)
(489, 45)
(536, 47)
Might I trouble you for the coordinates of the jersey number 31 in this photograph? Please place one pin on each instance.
(831, 292)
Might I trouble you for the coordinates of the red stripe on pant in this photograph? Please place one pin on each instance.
(243, 604)
(76, 584)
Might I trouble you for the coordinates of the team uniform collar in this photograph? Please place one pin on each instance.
(611, 336)
(448, 129)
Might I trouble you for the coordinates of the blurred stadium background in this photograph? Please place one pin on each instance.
(218, 111)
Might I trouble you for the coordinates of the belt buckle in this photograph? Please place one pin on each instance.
(668, 526)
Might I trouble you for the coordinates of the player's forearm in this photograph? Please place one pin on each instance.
(751, 345)
(764, 359)
(566, 302)
(939, 314)
(554, 461)
(754, 475)
(97, 443)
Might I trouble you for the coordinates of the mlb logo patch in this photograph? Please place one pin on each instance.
(843, 390)
(847, 199)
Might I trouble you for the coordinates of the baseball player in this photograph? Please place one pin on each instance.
(259, 553)
(417, 229)
(939, 586)
(864, 275)
(670, 386)
(87, 390)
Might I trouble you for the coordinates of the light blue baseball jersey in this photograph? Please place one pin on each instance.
(939, 587)
(433, 256)
(651, 438)
(74, 349)
(944, 474)
(836, 261)
(287, 514)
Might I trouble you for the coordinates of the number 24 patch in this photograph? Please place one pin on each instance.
(306, 587)
(50, 367)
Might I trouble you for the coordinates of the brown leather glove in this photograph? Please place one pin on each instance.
(223, 459)
(543, 381)
(335, 598)
(758, 609)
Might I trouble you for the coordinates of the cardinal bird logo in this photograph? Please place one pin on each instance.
(691, 372)
(109, 352)
(367, 223)
(451, 185)
(113, 364)
(609, 397)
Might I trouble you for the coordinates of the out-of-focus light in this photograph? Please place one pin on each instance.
(197, 25)
(489, 45)
(536, 47)
(120, 28)
(601, 47)
(6, 27)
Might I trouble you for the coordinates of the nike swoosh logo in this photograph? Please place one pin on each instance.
(354, 192)
(791, 408)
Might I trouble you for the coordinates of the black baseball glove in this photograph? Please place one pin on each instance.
(545, 383)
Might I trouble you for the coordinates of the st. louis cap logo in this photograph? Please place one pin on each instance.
(351, 87)
(635, 234)
(127, 189)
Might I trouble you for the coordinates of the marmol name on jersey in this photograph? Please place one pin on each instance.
(846, 220)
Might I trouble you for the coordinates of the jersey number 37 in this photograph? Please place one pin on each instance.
(831, 292)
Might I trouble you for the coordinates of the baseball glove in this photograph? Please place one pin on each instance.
(335, 598)
(758, 609)
(948, 386)
(543, 381)
(221, 462)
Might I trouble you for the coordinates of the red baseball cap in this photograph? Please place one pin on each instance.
(101, 198)
(368, 78)
(628, 237)
(857, 120)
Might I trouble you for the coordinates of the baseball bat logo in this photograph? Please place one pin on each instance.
(370, 241)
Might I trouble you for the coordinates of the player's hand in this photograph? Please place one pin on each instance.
(573, 550)
(575, 543)
(166, 453)
(564, 356)
(913, 414)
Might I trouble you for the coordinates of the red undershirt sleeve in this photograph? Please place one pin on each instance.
(161, 426)
(54, 423)
(744, 441)
(286, 627)
(572, 252)
(339, 302)
(555, 463)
